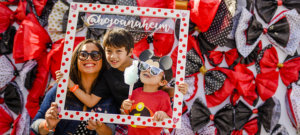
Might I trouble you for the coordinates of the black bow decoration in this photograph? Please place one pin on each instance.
(267, 8)
(201, 116)
(268, 114)
(279, 31)
(193, 62)
(282, 32)
(13, 97)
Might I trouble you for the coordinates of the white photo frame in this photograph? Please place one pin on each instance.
(75, 8)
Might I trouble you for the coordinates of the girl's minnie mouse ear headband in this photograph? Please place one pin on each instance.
(165, 62)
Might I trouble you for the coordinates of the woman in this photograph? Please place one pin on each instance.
(87, 65)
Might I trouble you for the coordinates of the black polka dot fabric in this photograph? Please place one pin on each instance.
(222, 23)
(214, 81)
(82, 130)
(193, 62)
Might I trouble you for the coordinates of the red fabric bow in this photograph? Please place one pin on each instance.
(38, 87)
(216, 57)
(54, 57)
(220, 95)
(39, 6)
(267, 80)
(7, 17)
(20, 13)
(203, 12)
(162, 43)
(5, 121)
(250, 127)
(30, 40)
(245, 86)
(140, 46)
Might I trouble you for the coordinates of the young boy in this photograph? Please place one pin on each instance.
(118, 45)
(149, 100)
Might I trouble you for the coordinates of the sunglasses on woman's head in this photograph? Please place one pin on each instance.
(84, 55)
(153, 70)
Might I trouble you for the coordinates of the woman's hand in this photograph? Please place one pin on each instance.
(51, 116)
(183, 88)
(93, 125)
(160, 116)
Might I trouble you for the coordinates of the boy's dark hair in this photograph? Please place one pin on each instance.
(118, 37)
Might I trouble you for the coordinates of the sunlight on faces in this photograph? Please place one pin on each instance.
(89, 66)
(149, 79)
(118, 57)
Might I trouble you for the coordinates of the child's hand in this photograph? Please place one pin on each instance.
(183, 88)
(59, 75)
(160, 116)
(127, 104)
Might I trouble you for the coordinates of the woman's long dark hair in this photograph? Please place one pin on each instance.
(75, 74)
